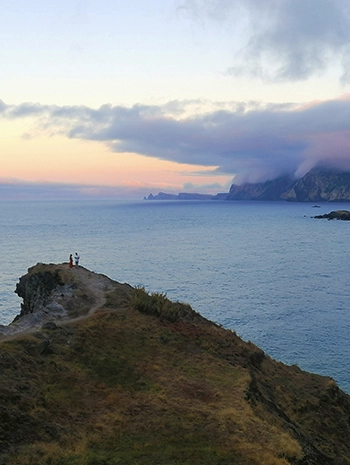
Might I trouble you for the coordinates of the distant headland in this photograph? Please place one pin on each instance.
(185, 196)
(318, 185)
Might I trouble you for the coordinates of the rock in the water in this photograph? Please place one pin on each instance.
(335, 215)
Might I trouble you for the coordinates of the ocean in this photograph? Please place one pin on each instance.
(266, 270)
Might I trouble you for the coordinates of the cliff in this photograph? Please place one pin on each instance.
(110, 374)
(269, 190)
(318, 185)
(180, 196)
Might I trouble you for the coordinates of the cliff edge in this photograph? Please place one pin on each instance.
(55, 292)
(111, 374)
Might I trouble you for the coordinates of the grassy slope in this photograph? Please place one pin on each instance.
(154, 383)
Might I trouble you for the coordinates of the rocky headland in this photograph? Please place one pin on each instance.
(97, 372)
(318, 185)
(58, 293)
(184, 196)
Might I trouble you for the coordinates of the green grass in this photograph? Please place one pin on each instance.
(150, 384)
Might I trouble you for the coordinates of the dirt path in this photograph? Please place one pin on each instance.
(83, 293)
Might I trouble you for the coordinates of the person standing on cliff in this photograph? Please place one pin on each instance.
(70, 261)
(76, 258)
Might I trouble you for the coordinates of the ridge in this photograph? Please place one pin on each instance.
(118, 375)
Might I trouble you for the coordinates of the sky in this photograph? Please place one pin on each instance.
(115, 99)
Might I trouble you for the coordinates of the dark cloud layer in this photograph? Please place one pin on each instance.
(283, 40)
(252, 143)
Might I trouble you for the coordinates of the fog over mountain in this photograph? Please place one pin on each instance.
(250, 141)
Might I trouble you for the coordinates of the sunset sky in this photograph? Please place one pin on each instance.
(115, 99)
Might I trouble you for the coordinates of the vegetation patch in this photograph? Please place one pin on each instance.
(148, 381)
(157, 304)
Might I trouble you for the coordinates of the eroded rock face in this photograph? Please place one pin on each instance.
(54, 291)
(269, 190)
(318, 185)
(35, 289)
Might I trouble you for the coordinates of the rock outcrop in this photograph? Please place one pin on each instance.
(57, 292)
(335, 215)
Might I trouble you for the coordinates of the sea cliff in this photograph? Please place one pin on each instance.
(318, 185)
(97, 372)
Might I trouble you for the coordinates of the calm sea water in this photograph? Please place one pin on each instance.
(266, 270)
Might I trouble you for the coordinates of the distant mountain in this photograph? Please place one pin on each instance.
(183, 196)
(269, 190)
(318, 185)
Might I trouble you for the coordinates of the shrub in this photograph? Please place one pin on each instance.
(157, 304)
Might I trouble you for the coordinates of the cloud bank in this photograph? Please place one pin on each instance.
(250, 142)
(284, 40)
